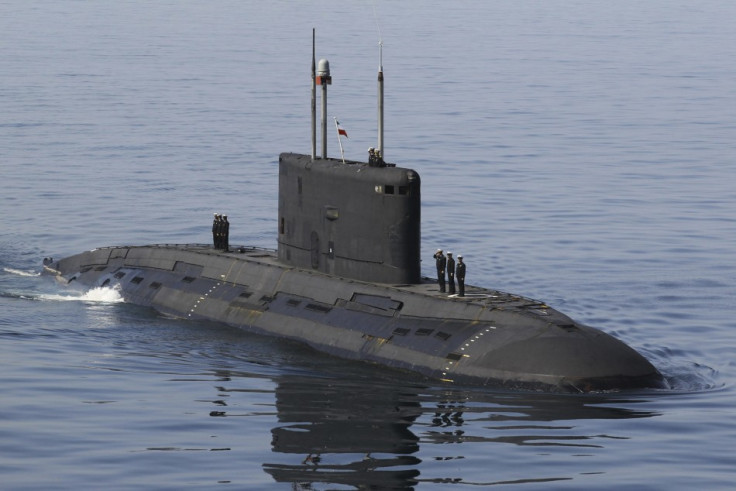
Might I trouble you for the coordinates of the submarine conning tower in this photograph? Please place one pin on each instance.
(350, 219)
(346, 218)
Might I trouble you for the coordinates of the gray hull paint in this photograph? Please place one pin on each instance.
(487, 338)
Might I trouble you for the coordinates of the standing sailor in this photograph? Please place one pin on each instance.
(225, 234)
(215, 226)
(219, 231)
(450, 273)
(460, 275)
(441, 263)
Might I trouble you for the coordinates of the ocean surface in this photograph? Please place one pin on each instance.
(578, 152)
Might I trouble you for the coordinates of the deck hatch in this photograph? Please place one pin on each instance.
(423, 332)
(454, 356)
(377, 301)
(442, 335)
(188, 279)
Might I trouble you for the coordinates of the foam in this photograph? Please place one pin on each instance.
(100, 294)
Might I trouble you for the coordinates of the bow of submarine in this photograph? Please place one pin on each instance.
(573, 358)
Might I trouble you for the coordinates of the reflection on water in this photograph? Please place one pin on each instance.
(318, 418)
(370, 434)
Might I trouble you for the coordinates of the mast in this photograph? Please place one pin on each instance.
(314, 101)
(324, 79)
(381, 156)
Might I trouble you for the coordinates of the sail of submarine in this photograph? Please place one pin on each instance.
(346, 281)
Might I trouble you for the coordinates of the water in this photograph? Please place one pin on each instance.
(576, 152)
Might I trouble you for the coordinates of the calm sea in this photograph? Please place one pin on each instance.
(579, 152)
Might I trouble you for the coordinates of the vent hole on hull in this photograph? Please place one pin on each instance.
(318, 308)
(442, 335)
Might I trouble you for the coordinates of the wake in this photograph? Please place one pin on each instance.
(100, 294)
(19, 272)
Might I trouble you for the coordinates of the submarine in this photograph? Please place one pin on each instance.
(346, 280)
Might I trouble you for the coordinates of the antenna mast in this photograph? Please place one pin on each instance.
(314, 101)
(381, 156)
(324, 79)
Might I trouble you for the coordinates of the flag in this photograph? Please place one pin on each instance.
(341, 131)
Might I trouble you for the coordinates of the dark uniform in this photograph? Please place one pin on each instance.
(220, 232)
(460, 271)
(451, 273)
(225, 234)
(441, 263)
(215, 228)
(374, 158)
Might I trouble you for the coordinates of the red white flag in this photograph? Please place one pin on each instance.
(341, 131)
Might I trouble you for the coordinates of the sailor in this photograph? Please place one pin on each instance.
(215, 227)
(220, 227)
(218, 232)
(225, 234)
(450, 273)
(460, 271)
(441, 263)
(372, 156)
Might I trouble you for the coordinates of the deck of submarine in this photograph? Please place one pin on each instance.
(427, 286)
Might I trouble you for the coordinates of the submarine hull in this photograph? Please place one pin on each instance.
(487, 338)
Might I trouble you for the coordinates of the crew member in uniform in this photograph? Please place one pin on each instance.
(219, 231)
(215, 228)
(441, 263)
(225, 234)
(374, 158)
(450, 273)
(460, 272)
